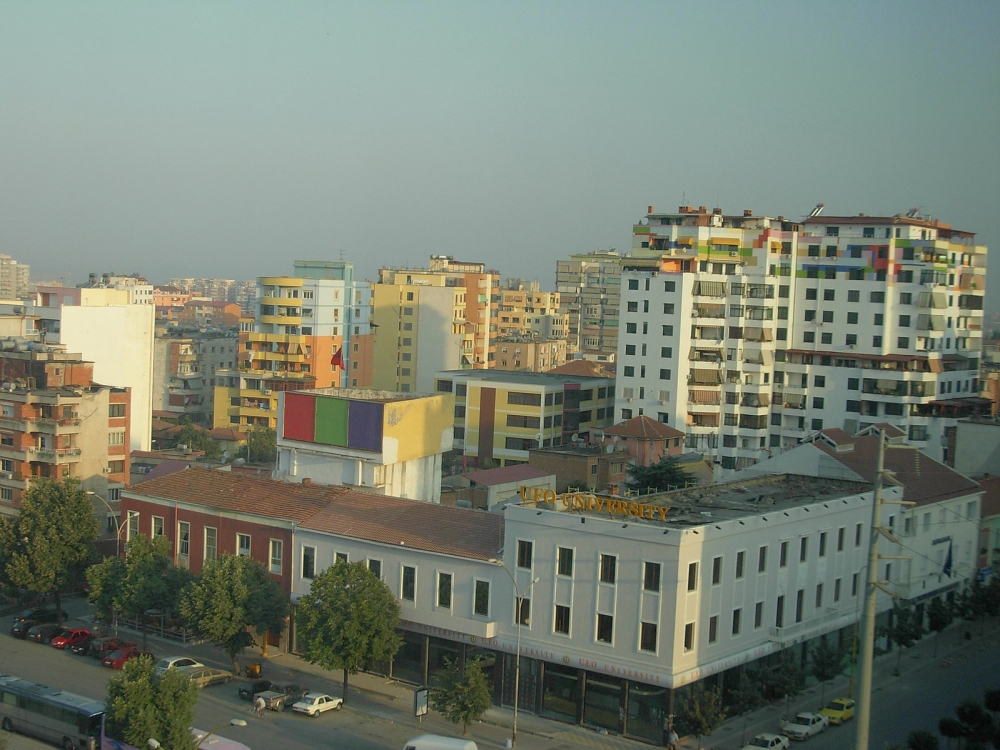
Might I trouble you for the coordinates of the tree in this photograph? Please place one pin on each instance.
(150, 582)
(921, 739)
(827, 663)
(991, 700)
(786, 678)
(48, 543)
(197, 439)
(939, 617)
(465, 695)
(262, 445)
(232, 594)
(349, 620)
(906, 630)
(143, 706)
(665, 475)
(748, 696)
(702, 710)
(105, 580)
(971, 723)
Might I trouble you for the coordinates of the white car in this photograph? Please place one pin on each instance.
(805, 725)
(176, 662)
(314, 704)
(768, 741)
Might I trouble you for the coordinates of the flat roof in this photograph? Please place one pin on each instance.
(527, 378)
(367, 394)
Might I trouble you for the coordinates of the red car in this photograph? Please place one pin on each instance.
(118, 658)
(71, 638)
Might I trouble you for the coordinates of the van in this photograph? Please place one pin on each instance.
(438, 742)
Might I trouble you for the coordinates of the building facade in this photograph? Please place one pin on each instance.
(589, 288)
(15, 281)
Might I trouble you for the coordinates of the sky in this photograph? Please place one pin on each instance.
(229, 139)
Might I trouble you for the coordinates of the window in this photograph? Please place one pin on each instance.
(668, 330)
(651, 576)
(779, 612)
(819, 595)
(524, 617)
(836, 591)
(633, 284)
(116, 438)
(737, 616)
(758, 614)
(481, 602)
(818, 402)
(693, 576)
(853, 295)
(523, 554)
(668, 308)
(243, 545)
(275, 556)
(375, 566)
(740, 559)
(605, 628)
(803, 549)
(820, 381)
(822, 544)
(183, 538)
(826, 338)
(716, 571)
(632, 306)
(444, 590)
(669, 286)
(799, 600)
(630, 328)
(809, 337)
(608, 568)
(524, 399)
(783, 555)
(561, 624)
(903, 342)
(857, 535)
(664, 374)
(116, 410)
(689, 636)
(762, 559)
(409, 584)
(308, 562)
(876, 341)
(564, 562)
(904, 321)
(157, 527)
(647, 636)
(713, 628)
(211, 543)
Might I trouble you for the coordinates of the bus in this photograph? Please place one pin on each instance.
(66, 719)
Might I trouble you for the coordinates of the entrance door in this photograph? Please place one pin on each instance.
(527, 691)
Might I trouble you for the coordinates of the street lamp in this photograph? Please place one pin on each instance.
(518, 600)
(119, 526)
(231, 722)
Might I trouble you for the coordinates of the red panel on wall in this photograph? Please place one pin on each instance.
(299, 417)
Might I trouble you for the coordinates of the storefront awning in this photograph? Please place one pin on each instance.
(726, 241)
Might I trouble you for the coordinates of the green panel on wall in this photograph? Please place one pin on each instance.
(331, 421)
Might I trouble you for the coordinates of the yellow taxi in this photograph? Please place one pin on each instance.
(839, 710)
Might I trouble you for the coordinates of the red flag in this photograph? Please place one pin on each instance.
(338, 358)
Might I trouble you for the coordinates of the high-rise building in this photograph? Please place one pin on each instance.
(303, 335)
(14, 278)
(221, 290)
(589, 285)
(185, 363)
(751, 333)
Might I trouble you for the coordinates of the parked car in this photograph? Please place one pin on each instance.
(768, 741)
(439, 742)
(804, 725)
(20, 628)
(40, 615)
(313, 704)
(117, 659)
(71, 637)
(839, 710)
(101, 647)
(83, 647)
(205, 676)
(281, 695)
(249, 692)
(175, 662)
(44, 633)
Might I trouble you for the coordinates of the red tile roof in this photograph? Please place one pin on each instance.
(924, 479)
(227, 433)
(505, 474)
(425, 526)
(584, 368)
(240, 493)
(645, 428)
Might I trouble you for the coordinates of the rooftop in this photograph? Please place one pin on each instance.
(644, 428)
(366, 394)
(550, 379)
(584, 368)
(505, 474)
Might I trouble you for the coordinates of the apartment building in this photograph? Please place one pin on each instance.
(56, 422)
(589, 286)
(15, 281)
(185, 362)
(302, 336)
(750, 333)
(209, 314)
(500, 416)
(526, 354)
(242, 293)
(532, 313)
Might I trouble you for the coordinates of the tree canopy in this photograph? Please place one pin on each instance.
(905, 631)
(232, 594)
(50, 541)
(262, 445)
(348, 620)
(702, 710)
(465, 696)
(197, 439)
(105, 581)
(151, 581)
(827, 663)
(665, 475)
(143, 706)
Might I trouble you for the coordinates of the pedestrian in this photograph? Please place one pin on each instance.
(258, 707)
(672, 739)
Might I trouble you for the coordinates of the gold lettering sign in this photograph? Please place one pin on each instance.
(588, 501)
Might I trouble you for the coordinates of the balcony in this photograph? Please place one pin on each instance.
(53, 455)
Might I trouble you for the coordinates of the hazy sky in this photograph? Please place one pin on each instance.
(228, 139)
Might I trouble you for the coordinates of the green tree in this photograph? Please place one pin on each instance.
(232, 594)
(150, 582)
(748, 696)
(939, 617)
(786, 678)
(922, 739)
(197, 439)
(702, 710)
(348, 620)
(262, 445)
(105, 581)
(465, 695)
(665, 475)
(143, 706)
(906, 630)
(827, 663)
(971, 723)
(47, 545)
(991, 700)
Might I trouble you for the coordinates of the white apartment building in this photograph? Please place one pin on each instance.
(588, 285)
(751, 333)
(15, 279)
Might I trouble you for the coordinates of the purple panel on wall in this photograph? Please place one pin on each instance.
(364, 426)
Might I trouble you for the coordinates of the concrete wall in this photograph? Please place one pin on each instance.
(977, 448)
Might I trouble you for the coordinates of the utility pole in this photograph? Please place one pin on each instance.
(871, 590)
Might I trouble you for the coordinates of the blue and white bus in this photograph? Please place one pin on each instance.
(66, 719)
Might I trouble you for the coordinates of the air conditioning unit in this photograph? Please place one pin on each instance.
(107, 470)
(628, 400)
(852, 346)
(266, 391)
(734, 253)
